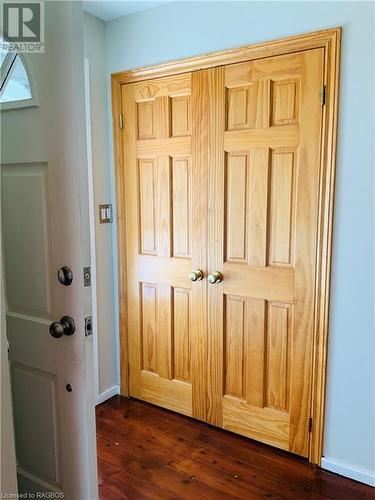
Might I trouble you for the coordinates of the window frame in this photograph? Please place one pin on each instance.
(31, 102)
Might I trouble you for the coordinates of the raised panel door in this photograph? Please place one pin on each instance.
(163, 223)
(263, 207)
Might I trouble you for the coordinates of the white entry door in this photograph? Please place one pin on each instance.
(44, 212)
(49, 377)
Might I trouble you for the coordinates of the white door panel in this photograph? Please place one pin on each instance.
(26, 238)
(46, 416)
(37, 429)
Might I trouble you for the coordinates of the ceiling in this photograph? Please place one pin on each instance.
(109, 9)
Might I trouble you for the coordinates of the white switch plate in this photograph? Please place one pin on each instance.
(105, 213)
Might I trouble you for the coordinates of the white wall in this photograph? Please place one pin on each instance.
(182, 29)
(94, 48)
(8, 478)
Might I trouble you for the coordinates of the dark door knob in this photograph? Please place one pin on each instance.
(65, 275)
(65, 326)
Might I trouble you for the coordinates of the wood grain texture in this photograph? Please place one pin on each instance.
(146, 452)
(165, 331)
(285, 101)
(324, 243)
(181, 329)
(181, 115)
(181, 192)
(255, 348)
(289, 201)
(278, 363)
(131, 243)
(271, 282)
(282, 197)
(258, 206)
(146, 119)
(263, 424)
(215, 238)
(156, 221)
(146, 90)
(306, 222)
(235, 329)
(149, 300)
(121, 235)
(236, 175)
(173, 146)
(171, 394)
(147, 205)
(200, 155)
(239, 140)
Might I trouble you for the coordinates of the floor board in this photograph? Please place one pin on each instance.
(146, 452)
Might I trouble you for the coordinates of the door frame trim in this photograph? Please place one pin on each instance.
(330, 41)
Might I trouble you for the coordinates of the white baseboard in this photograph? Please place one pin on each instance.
(112, 391)
(34, 484)
(361, 475)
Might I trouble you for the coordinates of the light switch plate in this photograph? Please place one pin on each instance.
(105, 213)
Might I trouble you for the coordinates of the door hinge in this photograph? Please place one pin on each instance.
(121, 121)
(310, 424)
(323, 95)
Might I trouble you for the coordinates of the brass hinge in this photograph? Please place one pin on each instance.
(121, 121)
(323, 95)
(310, 424)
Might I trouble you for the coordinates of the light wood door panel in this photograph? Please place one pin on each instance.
(221, 174)
(165, 223)
(263, 199)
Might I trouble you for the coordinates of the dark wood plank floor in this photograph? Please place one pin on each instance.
(145, 452)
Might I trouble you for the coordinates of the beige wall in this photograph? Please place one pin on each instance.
(94, 47)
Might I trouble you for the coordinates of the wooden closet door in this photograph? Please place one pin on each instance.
(165, 241)
(262, 226)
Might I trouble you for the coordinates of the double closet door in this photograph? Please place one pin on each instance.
(221, 170)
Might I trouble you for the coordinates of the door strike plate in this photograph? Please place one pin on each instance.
(88, 326)
(87, 276)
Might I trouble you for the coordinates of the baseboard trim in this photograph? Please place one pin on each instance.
(361, 475)
(39, 483)
(112, 391)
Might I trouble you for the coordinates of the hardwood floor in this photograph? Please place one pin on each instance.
(146, 452)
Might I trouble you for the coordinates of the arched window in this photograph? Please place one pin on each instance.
(15, 87)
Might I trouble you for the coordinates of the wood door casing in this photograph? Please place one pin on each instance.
(166, 312)
(263, 219)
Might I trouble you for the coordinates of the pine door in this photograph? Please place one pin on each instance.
(263, 199)
(165, 241)
(221, 176)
